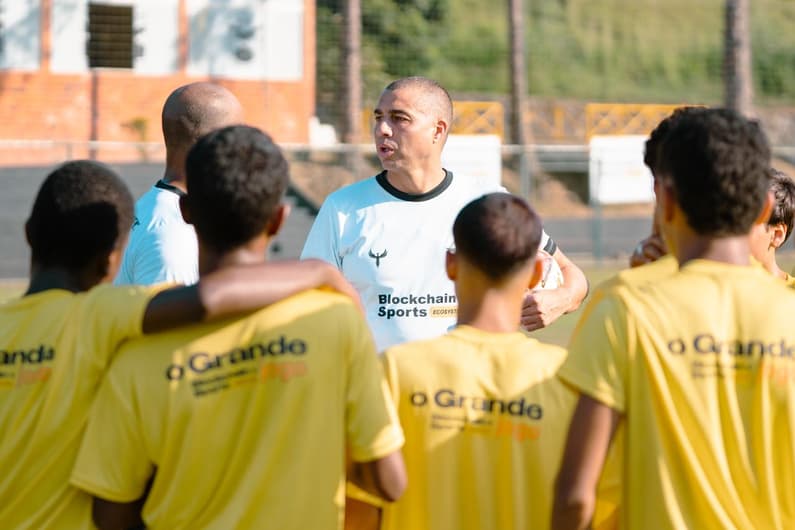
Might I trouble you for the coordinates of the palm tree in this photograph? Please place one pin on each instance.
(737, 57)
(518, 71)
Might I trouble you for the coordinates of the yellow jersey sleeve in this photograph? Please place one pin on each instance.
(598, 353)
(373, 428)
(112, 463)
(113, 316)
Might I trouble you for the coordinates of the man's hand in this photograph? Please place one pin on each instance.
(648, 250)
(541, 308)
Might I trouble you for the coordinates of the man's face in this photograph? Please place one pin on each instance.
(405, 134)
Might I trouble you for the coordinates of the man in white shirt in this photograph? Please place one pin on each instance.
(162, 247)
(388, 234)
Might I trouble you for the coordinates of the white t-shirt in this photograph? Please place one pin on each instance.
(391, 245)
(162, 246)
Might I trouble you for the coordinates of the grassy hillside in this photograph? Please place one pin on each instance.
(608, 50)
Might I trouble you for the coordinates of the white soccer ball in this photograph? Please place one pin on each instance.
(553, 276)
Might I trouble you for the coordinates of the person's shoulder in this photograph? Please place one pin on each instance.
(650, 272)
(473, 187)
(353, 194)
(425, 349)
(158, 206)
(319, 307)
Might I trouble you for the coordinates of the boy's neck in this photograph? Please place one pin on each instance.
(771, 266)
(254, 252)
(494, 311)
(734, 250)
(45, 279)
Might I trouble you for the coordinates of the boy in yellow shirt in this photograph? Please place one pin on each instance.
(698, 366)
(57, 340)
(242, 423)
(482, 409)
(768, 237)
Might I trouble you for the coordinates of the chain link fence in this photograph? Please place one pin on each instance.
(553, 178)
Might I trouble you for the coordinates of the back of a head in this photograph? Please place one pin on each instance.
(783, 189)
(651, 155)
(718, 164)
(236, 178)
(194, 110)
(434, 96)
(497, 233)
(82, 210)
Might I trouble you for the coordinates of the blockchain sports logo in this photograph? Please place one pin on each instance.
(417, 306)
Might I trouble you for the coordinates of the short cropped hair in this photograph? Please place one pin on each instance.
(651, 154)
(783, 189)
(236, 177)
(498, 233)
(718, 164)
(82, 210)
(434, 93)
(193, 110)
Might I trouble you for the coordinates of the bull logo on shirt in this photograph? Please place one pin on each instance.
(377, 257)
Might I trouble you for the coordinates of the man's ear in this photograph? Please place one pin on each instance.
(778, 234)
(538, 273)
(277, 219)
(441, 131)
(451, 264)
(184, 209)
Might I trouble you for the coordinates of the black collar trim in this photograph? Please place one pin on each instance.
(415, 197)
(163, 185)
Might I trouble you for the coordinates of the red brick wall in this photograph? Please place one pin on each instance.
(46, 106)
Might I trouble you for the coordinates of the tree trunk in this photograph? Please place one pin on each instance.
(352, 70)
(737, 74)
(518, 71)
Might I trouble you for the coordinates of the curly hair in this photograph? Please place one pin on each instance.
(651, 154)
(718, 164)
(82, 210)
(783, 189)
(236, 177)
(498, 233)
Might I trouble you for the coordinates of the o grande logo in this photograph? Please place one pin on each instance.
(418, 399)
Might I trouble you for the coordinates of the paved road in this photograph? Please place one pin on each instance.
(18, 187)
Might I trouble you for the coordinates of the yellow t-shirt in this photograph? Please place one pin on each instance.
(54, 348)
(485, 420)
(702, 366)
(244, 422)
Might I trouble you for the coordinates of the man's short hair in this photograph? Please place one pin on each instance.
(236, 177)
(498, 233)
(651, 154)
(434, 94)
(718, 163)
(82, 210)
(783, 189)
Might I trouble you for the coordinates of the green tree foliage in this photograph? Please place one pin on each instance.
(606, 50)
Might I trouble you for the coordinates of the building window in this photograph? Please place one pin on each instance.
(110, 36)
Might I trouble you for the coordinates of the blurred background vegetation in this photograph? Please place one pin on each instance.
(655, 51)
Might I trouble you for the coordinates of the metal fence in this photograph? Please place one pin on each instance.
(552, 177)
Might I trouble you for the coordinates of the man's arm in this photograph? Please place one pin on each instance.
(108, 515)
(241, 288)
(385, 477)
(541, 308)
(590, 433)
